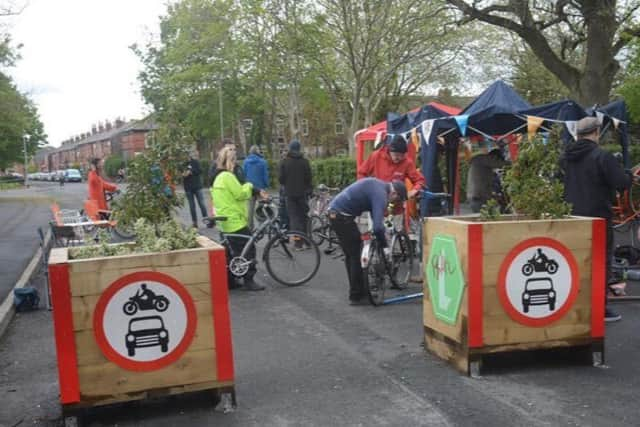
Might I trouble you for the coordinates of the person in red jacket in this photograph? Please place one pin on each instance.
(97, 185)
(390, 163)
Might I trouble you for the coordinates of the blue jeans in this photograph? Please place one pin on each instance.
(191, 195)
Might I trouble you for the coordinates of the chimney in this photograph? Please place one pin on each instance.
(107, 125)
(119, 122)
(94, 130)
(100, 127)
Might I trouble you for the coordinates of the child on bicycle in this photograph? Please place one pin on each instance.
(368, 194)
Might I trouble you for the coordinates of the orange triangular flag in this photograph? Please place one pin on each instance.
(533, 123)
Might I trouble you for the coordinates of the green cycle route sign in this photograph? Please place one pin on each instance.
(445, 279)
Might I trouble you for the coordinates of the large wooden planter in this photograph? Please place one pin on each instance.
(108, 354)
(482, 295)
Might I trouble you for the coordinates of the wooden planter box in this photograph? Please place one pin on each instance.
(484, 293)
(112, 348)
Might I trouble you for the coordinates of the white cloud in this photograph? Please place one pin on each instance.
(76, 63)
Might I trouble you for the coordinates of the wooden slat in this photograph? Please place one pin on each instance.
(454, 353)
(500, 238)
(109, 379)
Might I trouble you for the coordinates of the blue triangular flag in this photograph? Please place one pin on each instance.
(462, 123)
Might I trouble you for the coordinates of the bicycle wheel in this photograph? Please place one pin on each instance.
(374, 276)
(124, 231)
(402, 260)
(291, 258)
(316, 229)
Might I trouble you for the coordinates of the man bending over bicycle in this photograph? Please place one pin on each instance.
(369, 194)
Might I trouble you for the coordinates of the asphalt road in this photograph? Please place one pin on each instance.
(21, 213)
(304, 357)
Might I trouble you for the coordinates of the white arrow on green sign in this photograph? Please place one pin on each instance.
(444, 278)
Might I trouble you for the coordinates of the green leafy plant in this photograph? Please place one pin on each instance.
(152, 177)
(490, 211)
(532, 182)
(173, 237)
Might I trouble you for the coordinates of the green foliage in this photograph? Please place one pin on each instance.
(630, 88)
(490, 211)
(112, 164)
(532, 184)
(152, 176)
(634, 151)
(333, 172)
(173, 237)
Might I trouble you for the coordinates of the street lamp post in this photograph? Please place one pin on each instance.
(24, 147)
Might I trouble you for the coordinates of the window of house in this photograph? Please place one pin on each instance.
(305, 127)
(339, 127)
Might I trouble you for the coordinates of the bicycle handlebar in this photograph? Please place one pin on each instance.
(429, 195)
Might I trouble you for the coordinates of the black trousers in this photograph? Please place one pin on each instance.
(237, 244)
(349, 237)
(297, 209)
(197, 195)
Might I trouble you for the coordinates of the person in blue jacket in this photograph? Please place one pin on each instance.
(366, 195)
(256, 172)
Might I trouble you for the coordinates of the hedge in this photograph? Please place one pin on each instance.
(112, 164)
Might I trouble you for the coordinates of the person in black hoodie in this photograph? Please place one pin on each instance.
(591, 176)
(295, 176)
(192, 181)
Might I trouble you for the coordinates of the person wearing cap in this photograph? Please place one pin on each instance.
(480, 178)
(295, 177)
(390, 163)
(366, 195)
(591, 176)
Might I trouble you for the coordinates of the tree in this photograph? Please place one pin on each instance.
(19, 120)
(630, 88)
(370, 51)
(596, 31)
(534, 82)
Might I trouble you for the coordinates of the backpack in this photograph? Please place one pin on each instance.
(26, 299)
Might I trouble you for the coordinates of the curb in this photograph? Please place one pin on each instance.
(7, 309)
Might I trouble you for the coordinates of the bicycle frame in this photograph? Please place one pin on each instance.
(256, 236)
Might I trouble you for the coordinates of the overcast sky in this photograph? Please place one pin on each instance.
(76, 63)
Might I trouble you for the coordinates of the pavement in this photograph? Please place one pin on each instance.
(304, 357)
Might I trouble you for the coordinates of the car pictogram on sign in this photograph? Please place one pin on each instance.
(538, 291)
(146, 331)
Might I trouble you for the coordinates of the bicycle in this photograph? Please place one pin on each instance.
(381, 272)
(291, 257)
(319, 228)
(92, 213)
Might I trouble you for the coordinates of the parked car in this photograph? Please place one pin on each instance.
(73, 175)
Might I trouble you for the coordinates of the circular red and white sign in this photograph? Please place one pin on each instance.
(538, 281)
(144, 321)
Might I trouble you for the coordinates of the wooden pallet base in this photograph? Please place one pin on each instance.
(469, 360)
(222, 393)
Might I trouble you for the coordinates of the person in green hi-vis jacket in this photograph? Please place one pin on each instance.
(230, 199)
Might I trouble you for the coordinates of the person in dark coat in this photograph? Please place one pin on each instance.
(192, 181)
(591, 177)
(295, 176)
